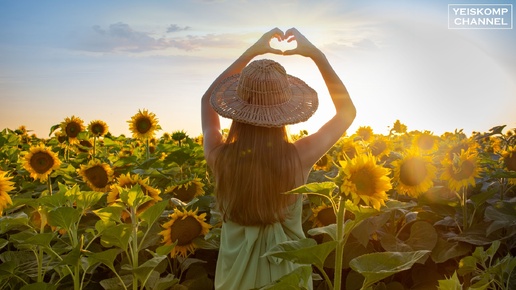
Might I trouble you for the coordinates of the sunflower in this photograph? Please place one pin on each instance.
(97, 175)
(364, 180)
(509, 158)
(462, 170)
(380, 146)
(323, 215)
(426, 142)
(98, 128)
(414, 173)
(183, 227)
(6, 185)
(365, 133)
(458, 147)
(399, 127)
(186, 190)
(128, 181)
(72, 126)
(40, 161)
(348, 149)
(143, 125)
(324, 163)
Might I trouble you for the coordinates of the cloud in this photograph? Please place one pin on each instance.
(175, 28)
(120, 37)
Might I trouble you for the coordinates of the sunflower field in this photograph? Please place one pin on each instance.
(84, 209)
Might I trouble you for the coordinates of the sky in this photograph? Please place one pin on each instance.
(105, 60)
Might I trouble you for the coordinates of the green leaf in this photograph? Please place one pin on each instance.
(43, 239)
(64, 217)
(326, 188)
(13, 221)
(304, 251)
(39, 286)
(165, 249)
(165, 283)
(111, 213)
(151, 215)
(7, 268)
(116, 284)
(293, 280)
(134, 196)
(145, 269)
(108, 142)
(106, 257)
(452, 283)
(3, 243)
(53, 128)
(73, 257)
(467, 265)
(87, 199)
(422, 237)
(377, 266)
(444, 250)
(330, 230)
(117, 236)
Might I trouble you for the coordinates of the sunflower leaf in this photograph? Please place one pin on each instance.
(106, 257)
(53, 128)
(151, 215)
(143, 271)
(304, 251)
(377, 266)
(64, 217)
(86, 199)
(117, 236)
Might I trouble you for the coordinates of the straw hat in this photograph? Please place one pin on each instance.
(263, 94)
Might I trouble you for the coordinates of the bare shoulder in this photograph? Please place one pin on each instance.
(311, 148)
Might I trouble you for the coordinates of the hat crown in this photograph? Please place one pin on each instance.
(264, 83)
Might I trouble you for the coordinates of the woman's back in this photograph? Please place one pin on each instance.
(252, 169)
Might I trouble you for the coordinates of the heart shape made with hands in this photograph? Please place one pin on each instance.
(283, 45)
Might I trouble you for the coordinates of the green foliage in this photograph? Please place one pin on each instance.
(63, 235)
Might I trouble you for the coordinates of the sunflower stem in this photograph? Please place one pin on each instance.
(134, 248)
(147, 151)
(339, 251)
(49, 186)
(464, 210)
(94, 145)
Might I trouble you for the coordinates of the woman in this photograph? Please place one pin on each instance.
(257, 161)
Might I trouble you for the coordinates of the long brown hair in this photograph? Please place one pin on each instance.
(253, 167)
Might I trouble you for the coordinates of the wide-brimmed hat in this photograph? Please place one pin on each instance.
(263, 94)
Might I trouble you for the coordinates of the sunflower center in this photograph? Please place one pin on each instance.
(72, 129)
(327, 216)
(143, 125)
(98, 176)
(184, 193)
(510, 162)
(350, 152)
(378, 147)
(323, 161)
(364, 182)
(97, 129)
(425, 142)
(413, 172)
(185, 230)
(41, 162)
(465, 171)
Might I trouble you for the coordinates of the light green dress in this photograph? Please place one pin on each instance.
(241, 265)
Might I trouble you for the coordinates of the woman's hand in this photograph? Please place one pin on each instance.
(263, 45)
(304, 47)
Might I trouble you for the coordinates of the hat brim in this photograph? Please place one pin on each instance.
(299, 108)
